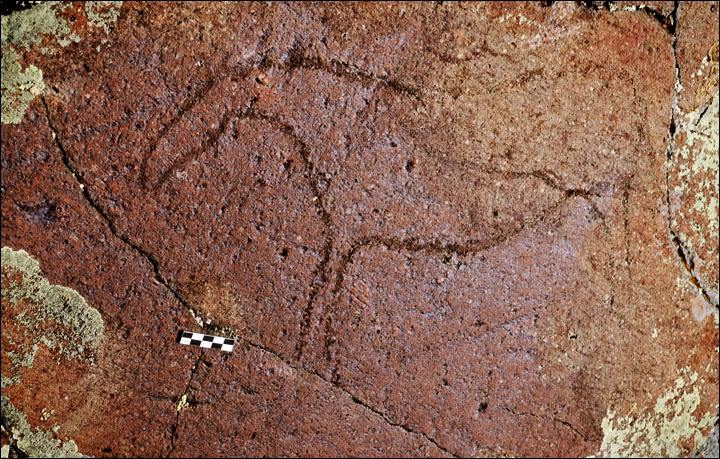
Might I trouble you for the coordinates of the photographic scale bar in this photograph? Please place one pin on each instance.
(206, 341)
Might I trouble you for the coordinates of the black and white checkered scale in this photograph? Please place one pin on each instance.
(206, 341)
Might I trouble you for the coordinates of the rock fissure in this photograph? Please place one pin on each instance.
(85, 193)
(181, 400)
(681, 251)
(319, 183)
(319, 277)
(352, 397)
(668, 22)
(319, 271)
(546, 418)
(688, 264)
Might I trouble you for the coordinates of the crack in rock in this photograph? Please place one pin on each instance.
(109, 223)
(352, 397)
(546, 418)
(320, 277)
(104, 217)
(668, 23)
(682, 253)
(182, 404)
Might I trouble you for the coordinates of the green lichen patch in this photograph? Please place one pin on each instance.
(35, 312)
(34, 443)
(28, 27)
(7, 382)
(102, 14)
(19, 87)
(42, 27)
(693, 180)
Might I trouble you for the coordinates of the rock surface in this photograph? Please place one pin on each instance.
(435, 229)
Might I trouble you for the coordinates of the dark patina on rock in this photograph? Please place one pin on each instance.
(435, 229)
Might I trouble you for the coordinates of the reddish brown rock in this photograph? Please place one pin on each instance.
(283, 409)
(693, 154)
(697, 54)
(435, 229)
(45, 214)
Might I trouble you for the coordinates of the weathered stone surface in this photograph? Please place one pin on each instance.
(697, 54)
(693, 156)
(436, 229)
(693, 194)
(45, 213)
(284, 410)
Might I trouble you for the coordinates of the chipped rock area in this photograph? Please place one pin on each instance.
(435, 229)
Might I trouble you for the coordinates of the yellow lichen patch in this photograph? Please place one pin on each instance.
(662, 431)
(183, 403)
(46, 414)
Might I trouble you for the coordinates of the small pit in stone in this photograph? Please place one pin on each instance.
(410, 165)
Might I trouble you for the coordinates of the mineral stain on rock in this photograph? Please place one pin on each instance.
(443, 229)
